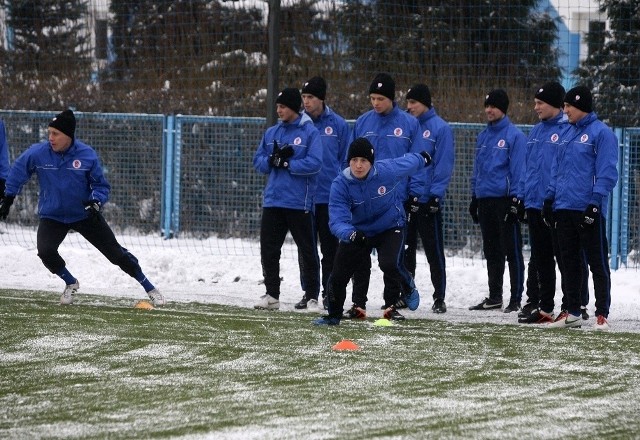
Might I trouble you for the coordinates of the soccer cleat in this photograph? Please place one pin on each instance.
(156, 298)
(326, 320)
(439, 306)
(583, 312)
(526, 310)
(267, 302)
(392, 314)
(537, 317)
(400, 304)
(355, 312)
(569, 321)
(512, 307)
(306, 303)
(413, 300)
(487, 304)
(601, 323)
(67, 295)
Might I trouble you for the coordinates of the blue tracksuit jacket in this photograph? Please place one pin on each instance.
(371, 205)
(334, 134)
(542, 145)
(585, 169)
(66, 180)
(436, 138)
(499, 163)
(294, 187)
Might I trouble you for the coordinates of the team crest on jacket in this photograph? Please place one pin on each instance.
(76, 164)
(555, 137)
(502, 143)
(397, 132)
(426, 134)
(584, 138)
(382, 190)
(297, 141)
(328, 130)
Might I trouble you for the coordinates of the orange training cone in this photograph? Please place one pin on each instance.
(345, 345)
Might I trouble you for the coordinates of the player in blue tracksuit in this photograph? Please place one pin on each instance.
(393, 133)
(365, 212)
(334, 135)
(427, 190)
(72, 191)
(4, 158)
(290, 154)
(583, 175)
(498, 168)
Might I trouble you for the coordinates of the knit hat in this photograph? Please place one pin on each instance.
(580, 98)
(497, 98)
(552, 93)
(360, 147)
(291, 98)
(421, 93)
(65, 122)
(383, 85)
(316, 86)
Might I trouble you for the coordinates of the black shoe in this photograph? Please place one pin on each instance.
(355, 312)
(487, 304)
(439, 306)
(306, 302)
(512, 307)
(401, 303)
(526, 310)
(537, 317)
(583, 312)
(393, 315)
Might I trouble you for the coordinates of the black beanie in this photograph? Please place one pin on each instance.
(316, 86)
(580, 98)
(291, 98)
(383, 85)
(65, 122)
(499, 99)
(360, 147)
(552, 93)
(421, 93)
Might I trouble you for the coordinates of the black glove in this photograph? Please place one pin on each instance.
(278, 162)
(92, 208)
(590, 217)
(358, 238)
(547, 212)
(433, 205)
(515, 212)
(427, 158)
(5, 205)
(286, 151)
(473, 209)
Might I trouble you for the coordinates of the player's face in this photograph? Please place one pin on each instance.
(359, 167)
(59, 141)
(574, 114)
(312, 105)
(285, 113)
(493, 113)
(380, 103)
(416, 108)
(544, 110)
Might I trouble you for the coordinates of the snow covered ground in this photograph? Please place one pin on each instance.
(201, 276)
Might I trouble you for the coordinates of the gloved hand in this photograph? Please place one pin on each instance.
(590, 217)
(433, 205)
(473, 209)
(92, 208)
(286, 151)
(427, 158)
(411, 207)
(278, 162)
(547, 212)
(515, 212)
(358, 238)
(5, 205)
